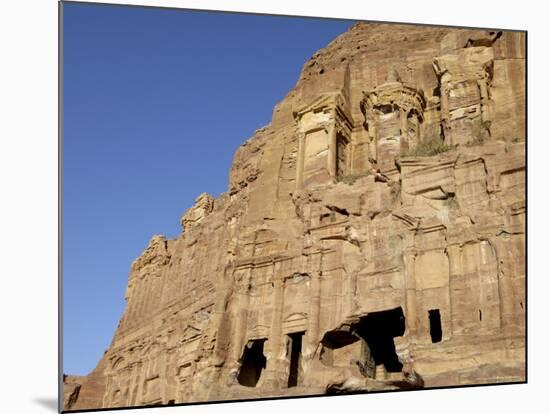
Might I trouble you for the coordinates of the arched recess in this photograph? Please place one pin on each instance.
(295, 322)
(118, 363)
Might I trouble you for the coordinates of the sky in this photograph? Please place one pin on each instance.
(155, 103)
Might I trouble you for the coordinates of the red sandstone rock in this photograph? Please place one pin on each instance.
(373, 237)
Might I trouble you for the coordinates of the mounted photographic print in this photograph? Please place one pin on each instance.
(263, 206)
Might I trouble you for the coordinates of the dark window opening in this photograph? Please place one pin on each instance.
(480, 42)
(435, 325)
(171, 402)
(386, 109)
(253, 362)
(480, 317)
(295, 346)
(378, 329)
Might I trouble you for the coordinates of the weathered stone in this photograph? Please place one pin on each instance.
(204, 204)
(372, 238)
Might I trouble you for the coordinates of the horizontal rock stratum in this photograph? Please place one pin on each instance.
(372, 237)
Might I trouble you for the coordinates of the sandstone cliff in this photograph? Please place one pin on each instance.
(372, 237)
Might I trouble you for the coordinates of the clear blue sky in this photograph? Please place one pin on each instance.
(156, 101)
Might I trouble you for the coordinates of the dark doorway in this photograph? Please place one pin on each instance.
(435, 325)
(295, 346)
(253, 362)
(378, 329)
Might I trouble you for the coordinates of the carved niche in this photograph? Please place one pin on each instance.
(324, 147)
(465, 79)
(393, 114)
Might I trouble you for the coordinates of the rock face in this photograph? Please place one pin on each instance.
(372, 237)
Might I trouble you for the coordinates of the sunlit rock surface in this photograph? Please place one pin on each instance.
(372, 237)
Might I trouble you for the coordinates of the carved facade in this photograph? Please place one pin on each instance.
(324, 143)
(336, 262)
(394, 114)
(465, 87)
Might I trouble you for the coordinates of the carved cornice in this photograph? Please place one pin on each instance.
(331, 102)
(393, 93)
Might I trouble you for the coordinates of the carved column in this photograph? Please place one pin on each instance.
(350, 167)
(411, 312)
(315, 310)
(276, 339)
(300, 162)
(239, 312)
(454, 253)
(132, 386)
(414, 140)
(373, 142)
(403, 121)
(506, 291)
(404, 128)
(141, 370)
(331, 167)
(312, 335)
(484, 93)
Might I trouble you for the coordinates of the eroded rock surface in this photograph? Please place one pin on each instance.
(372, 237)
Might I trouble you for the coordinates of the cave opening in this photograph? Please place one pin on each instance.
(253, 362)
(335, 340)
(295, 348)
(435, 325)
(378, 329)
